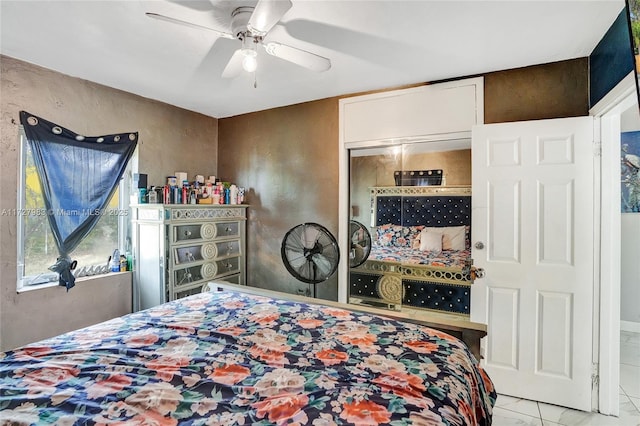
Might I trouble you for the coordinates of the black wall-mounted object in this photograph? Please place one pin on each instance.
(418, 177)
(613, 58)
(140, 180)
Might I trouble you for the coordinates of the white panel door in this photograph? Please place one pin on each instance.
(533, 203)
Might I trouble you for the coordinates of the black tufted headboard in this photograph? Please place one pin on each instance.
(428, 210)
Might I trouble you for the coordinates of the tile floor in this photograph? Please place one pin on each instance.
(513, 411)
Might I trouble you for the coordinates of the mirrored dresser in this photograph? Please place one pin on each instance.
(177, 248)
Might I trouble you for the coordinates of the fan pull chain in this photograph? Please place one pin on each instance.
(255, 80)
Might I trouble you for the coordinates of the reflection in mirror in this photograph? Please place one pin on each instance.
(370, 168)
(415, 200)
(359, 243)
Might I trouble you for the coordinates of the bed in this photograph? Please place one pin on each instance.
(420, 255)
(239, 358)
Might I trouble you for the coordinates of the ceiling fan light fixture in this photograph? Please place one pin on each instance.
(249, 63)
(249, 53)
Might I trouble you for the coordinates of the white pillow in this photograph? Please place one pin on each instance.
(453, 237)
(430, 241)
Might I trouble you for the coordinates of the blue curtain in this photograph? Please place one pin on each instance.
(78, 175)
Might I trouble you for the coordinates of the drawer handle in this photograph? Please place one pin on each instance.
(185, 277)
(187, 233)
(228, 229)
(229, 265)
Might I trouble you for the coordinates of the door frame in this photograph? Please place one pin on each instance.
(607, 113)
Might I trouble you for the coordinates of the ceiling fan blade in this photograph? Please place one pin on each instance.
(188, 24)
(234, 66)
(298, 56)
(266, 14)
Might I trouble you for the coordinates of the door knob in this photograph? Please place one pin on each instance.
(479, 245)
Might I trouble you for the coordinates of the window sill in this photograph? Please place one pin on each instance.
(79, 280)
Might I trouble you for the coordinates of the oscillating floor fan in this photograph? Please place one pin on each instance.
(360, 240)
(310, 253)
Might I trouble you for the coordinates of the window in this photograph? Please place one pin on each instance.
(36, 245)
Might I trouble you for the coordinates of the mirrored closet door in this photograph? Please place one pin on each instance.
(410, 216)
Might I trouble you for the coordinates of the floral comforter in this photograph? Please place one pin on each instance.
(232, 359)
(445, 258)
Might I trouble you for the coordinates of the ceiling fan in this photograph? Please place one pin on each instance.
(250, 25)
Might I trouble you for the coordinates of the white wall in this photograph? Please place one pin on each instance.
(630, 273)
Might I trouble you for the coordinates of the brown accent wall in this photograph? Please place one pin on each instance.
(287, 159)
(559, 89)
(171, 139)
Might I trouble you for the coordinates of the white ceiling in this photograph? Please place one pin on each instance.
(372, 44)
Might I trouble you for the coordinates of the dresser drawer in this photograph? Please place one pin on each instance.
(228, 266)
(186, 276)
(194, 232)
(227, 229)
(205, 271)
(206, 251)
(194, 253)
(204, 231)
(228, 248)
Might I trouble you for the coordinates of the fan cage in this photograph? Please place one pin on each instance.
(360, 243)
(301, 259)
